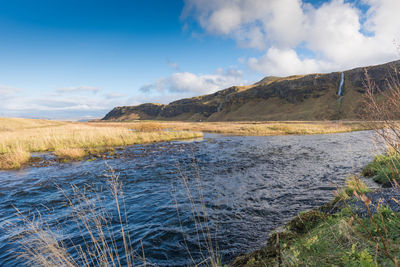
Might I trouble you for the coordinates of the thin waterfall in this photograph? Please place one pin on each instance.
(219, 107)
(340, 91)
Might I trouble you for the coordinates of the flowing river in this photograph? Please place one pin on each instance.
(248, 186)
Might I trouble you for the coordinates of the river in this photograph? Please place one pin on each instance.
(248, 186)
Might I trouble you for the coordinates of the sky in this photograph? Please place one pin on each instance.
(77, 59)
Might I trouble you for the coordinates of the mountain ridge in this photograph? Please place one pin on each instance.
(296, 97)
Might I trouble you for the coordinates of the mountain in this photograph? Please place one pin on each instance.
(298, 97)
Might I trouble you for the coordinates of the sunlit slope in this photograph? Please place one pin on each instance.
(299, 97)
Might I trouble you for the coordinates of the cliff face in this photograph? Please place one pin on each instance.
(300, 97)
(146, 111)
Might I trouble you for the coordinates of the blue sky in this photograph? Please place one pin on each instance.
(78, 59)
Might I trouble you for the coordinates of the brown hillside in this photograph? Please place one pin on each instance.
(299, 97)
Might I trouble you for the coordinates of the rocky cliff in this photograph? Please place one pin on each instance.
(300, 97)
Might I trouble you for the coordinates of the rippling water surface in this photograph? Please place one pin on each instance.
(250, 186)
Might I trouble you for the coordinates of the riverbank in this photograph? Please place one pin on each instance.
(71, 141)
(247, 128)
(77, 140)
(359, 227)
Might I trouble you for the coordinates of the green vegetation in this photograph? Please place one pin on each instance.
(384, 169)
(341, 240)
(319, 238)
(353, 184)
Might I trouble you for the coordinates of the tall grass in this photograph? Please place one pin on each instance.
(103, 232)
(81, 136)
(206, 246)
(71, 140)
(14, 159)
(249, 128)
(103, 243)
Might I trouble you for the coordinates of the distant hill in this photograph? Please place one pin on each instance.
(299, 97)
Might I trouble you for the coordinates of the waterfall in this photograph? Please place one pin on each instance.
(219, 107)
(340, 91)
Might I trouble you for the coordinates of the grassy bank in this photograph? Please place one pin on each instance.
(19, 137)
(316, 238)
(248, 128)
(384, 169)
(336, 234)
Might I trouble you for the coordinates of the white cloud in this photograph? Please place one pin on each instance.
(193, 84)
(285, 61)
(337, 33)
(80, 88)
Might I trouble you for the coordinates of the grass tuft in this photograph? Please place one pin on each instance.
(352, 184)
(70, 153)
(384, 169)
(14, 159)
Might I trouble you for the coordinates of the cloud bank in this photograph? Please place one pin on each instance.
(60, 104)
(296, 37)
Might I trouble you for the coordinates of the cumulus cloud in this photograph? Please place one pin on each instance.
(78, 89)
(277, 61)
(194, 84)
(297, 37)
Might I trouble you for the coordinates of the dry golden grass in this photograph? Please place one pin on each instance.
(42, 245)
(103, 236)
(246, 128)
(70, 153)
(71, 140)
(14, 159)
(13, 124)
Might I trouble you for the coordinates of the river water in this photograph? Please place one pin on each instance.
(248, 186)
